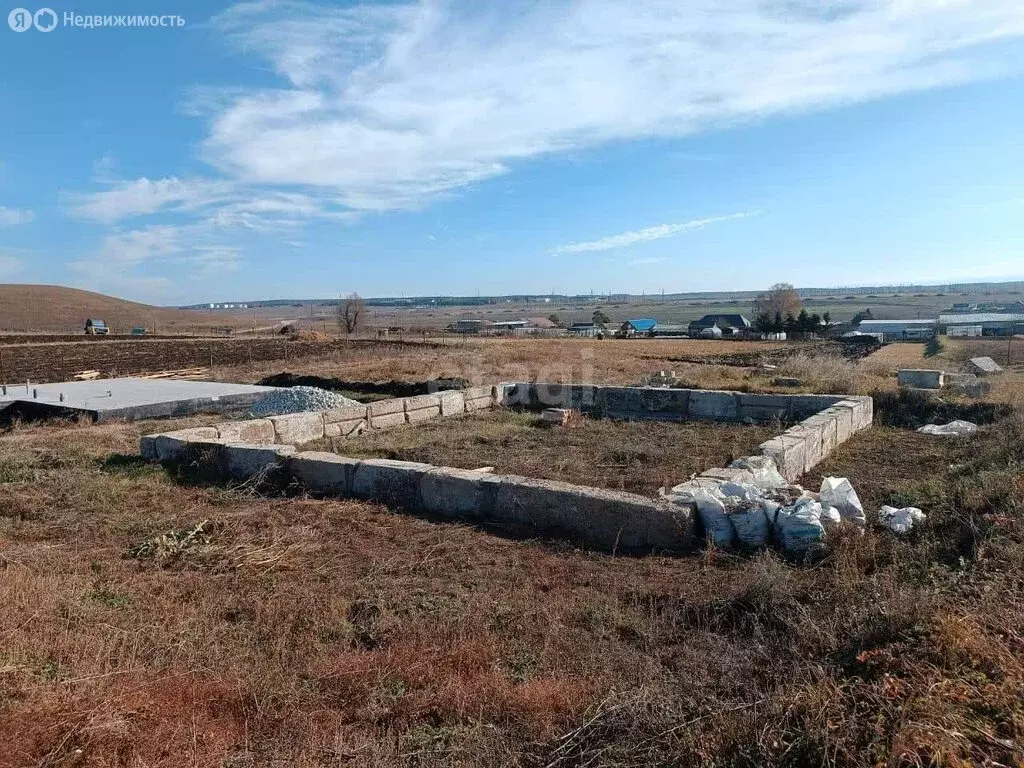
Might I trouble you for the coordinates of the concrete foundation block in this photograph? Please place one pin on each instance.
(620, 402)
(385, 407)
(387, 420)
(453, 403)
(395, 483)
(459, 493)
(802, 406)
(196, 433)
(763, 408)
(147, 447)
(715, 405)
(920, 378)
(346, 428)
(985, 366)
(863, 411)
(169, 446)
(843, 418)
(520, 394)
(242, 461)
(665, 404)
(500, 392)
(479, 404)
(826, 422)
(298, 428)
(422, 401)
(788, 454)
(811, 436)
(476, 393)
(422, 414)
(348, 413)
(256, 431)
(322, 473)
(609, 520)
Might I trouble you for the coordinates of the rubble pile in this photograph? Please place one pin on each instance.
(298, 399)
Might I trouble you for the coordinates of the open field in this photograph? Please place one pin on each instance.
(843, 306)
(42, 362)
(291, 631)
(56, 309)
(283, 630)
(638, 457)
(251, 359)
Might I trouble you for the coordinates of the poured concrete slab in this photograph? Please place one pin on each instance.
(127, 398)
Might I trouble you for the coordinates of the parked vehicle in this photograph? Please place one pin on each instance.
(96, 327)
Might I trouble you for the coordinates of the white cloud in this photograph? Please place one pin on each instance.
(644, 235)
(223, 203)
(153, 261)
(125, 199)
(11, 217)
(388, 107)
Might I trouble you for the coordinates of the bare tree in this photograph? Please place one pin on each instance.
(350, 313)
(781, 299)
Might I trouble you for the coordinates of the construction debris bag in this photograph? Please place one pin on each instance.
(956, 428)
(711, 509)
(901, 520)
(838, 492)
(798, 527)
(754, 525)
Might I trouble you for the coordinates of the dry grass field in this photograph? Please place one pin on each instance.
(152, 621)
(638, 457)
(56, 309)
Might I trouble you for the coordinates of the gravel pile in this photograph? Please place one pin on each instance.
(297, 399)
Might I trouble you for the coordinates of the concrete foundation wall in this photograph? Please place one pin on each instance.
(608, 520)
(595, 517)
(665, 404)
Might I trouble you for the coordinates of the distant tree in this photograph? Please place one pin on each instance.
(803, 322)
(827, 318)
(862, 316)
(600, 318)
(790, 325)
(555, 319)
(781, 298)
(764, 323)
(350, 313)
(778, 326)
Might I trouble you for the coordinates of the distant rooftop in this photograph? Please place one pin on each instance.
(645, 324)
(982, 317)
(880, 323)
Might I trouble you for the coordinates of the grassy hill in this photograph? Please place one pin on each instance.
(54, 308)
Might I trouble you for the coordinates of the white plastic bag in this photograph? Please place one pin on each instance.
(838, 492)
(711, 510)
(754, 525)
(901, 520)
(956, 428)
(799, 527)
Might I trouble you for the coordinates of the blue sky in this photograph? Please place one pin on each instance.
(295, 149)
